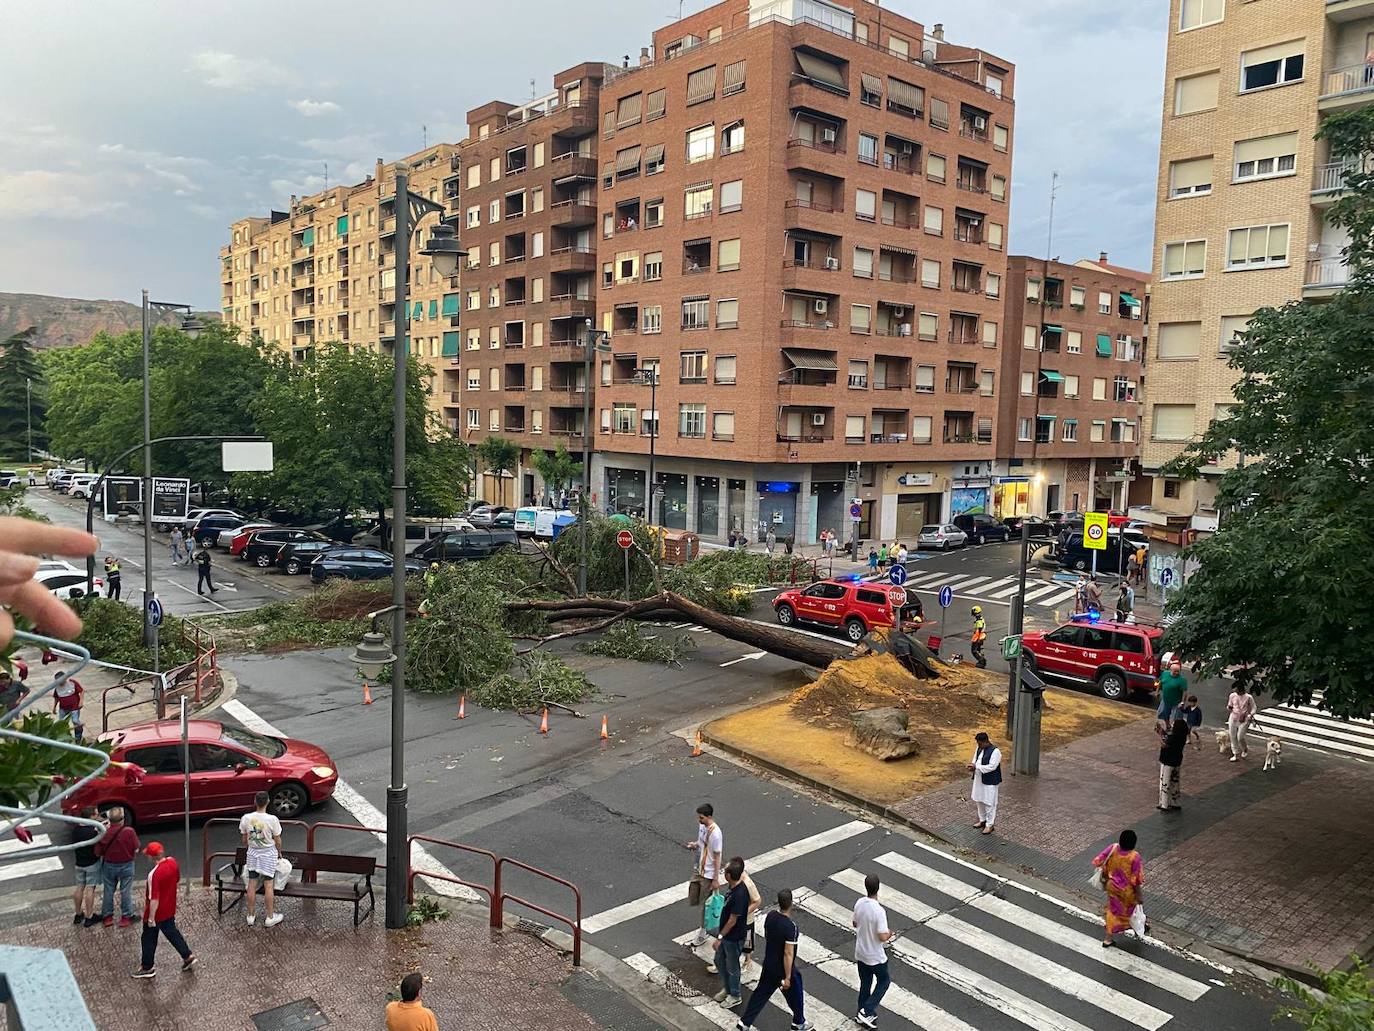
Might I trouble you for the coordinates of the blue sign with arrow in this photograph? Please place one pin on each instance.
(946, 596)
(897, 574)
(154, 612)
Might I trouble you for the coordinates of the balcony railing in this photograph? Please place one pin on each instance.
(887, 438)
(967, 234)
(824, 148)
(1352, 78)
(1330, 177)
(971, 185)
(969, 132)
(959, 435)
(814, 205)
(804, 324)
(805, 438)
(1327, 272)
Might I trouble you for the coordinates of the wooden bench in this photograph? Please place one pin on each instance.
(229, 880)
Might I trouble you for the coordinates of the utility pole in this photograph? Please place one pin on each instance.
(149, 630)
(28, 415)
(1017, 627)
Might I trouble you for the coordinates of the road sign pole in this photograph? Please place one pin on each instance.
(1017, 627)
(627, 573)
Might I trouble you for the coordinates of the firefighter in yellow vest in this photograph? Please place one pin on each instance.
(980, 636)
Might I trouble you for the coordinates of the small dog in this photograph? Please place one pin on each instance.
(1223, 741)
(1273, 753)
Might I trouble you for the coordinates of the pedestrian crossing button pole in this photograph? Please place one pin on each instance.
(1026, 735)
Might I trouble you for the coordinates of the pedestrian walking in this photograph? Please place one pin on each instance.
(262, 838)
(1140, 556)
(87, 869)
(116, 849)
(770, 539)
(979, 639)
(1094, 594)
(729, 940)
(178, 546)
(882, 555)
(706, 876)
(1080, 594)
(1240, 710)
(1173, 685)
(733, 538)
(1123, 878)
(160, 912)
(779, 970)
(1190, 712)
(68, 696)
(112, 578)
(755, 901)
(870, 935)
(1125, 604)
(202, 558)
(1171, 765)
(902, 554)
(789, 542)
(13, 690)
(986, 766)
(872, 560)
(409, 1013)
(1132, 567)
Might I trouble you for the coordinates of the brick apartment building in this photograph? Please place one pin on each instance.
(1072, 369)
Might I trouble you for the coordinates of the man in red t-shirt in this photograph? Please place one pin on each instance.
(160, 910)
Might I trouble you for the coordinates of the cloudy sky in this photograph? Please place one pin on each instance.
(133, 132)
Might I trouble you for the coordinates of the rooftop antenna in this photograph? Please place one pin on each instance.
(533, 92)
(326, 175)
(424, 137)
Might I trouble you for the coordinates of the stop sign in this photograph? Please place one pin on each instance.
(897, 596)
(625, 539)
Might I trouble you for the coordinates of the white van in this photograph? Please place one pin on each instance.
(551, 518)
(526, 519)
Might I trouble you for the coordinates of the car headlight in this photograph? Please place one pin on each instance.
(322, 772)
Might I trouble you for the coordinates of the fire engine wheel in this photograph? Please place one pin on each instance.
(854, 630)
(1112, 685)
(786, 615)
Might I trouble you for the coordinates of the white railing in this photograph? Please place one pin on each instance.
(1349, 79)
(1327, 272)
(1330, 177)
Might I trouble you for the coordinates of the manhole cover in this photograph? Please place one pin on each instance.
(302, 1015)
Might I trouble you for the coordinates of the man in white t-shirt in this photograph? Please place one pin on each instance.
(871, 933)
(262, 838)
(706, 878)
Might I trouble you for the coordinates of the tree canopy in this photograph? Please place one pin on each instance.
(557, 468)
(500, 456)
(22, 400)
(1282, 590)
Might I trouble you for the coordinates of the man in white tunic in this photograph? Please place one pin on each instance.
(987, 778)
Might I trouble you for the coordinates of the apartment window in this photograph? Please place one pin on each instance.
(627, 163)
(731, 195)
(474, 176)
(698, 200)
(995, 235)
(474, 300)
(1122, 389)
(1104, 302)
(1267, 157)
(691, 420)
(1193, 13)
(939, 113)
(626, 267)
(934, 221)
(868, 149)
(1027, 384)
(474, 216)
(999, 137)
(474, 379)
(1184, 260)
(989, 334)
(1070, 433)
(1178, 340)
(494, 297)
(701, 85)
(651, 318)
(474, 415)
(628, 110)
(495, 342)
(997, 187)
(1191, 177)
(925, 379)
(870, 90)
(696, 313)
(494, 254)
(1074, 343)
(1195, 93)
(1099, 388)
(732, 75)
(653, 266)
(1257, 247)
(903, 97)
(1271, 66)
(1171, 488)
(494, 211)
(494, 419)
(1173, 422)
(655, 104)
(537, 289)
(537, 245)
(727, 256)
(921, 429)
(854, 429)
(623, 418)
(994, 285)
(727, 314)
(865, 205)
(537, 196)
(928, 326)
(1070, 386)
(863, 263)
(1078, 297)
(930, 273)
(1232, 326)
(605, 374)
(1023, 429)
(723, 425)
(474, 340)
(860, 318)
(701, 143)
(732, 138)
(858, 374)
(653, 213)
(607, 274)
(1098, 431)
(935, 168)
(985, 382)
(692, 367)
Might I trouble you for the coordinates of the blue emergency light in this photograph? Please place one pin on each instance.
(852, 578)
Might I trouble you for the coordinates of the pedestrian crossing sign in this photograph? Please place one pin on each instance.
(1011, 647)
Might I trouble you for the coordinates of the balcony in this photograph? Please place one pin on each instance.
(1349, 10)
(1325, 277)
(813, 215)
(969, 131)
(455, 398)
(812, 156)
(1346, 87)
(573, 259)
(1329, 180)
(571, 165)
(572, 212)
(563, 305)
(303, 279)
(816, 275)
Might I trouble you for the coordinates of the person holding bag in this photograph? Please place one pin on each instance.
(1121, 875)
(1240, 709)
(1171, 764)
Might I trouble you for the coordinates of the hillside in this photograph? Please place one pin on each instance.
(68, 321)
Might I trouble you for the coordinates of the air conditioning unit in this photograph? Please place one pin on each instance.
(832, 263)
(827, 135)
(822, 307)
(898, 312)
(817, 418)
(975, 222)
(980, 123)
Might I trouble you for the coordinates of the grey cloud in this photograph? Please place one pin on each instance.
(314, 108)
(223, 70)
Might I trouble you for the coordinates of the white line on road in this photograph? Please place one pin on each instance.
(751, 655)
(826, 1018)
(13, 871)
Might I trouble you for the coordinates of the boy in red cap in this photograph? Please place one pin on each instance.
(160, 910)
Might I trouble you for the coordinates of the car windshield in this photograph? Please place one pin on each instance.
(258, 744)
(930, 529)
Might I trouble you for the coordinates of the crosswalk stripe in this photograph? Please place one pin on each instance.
(826, 1018)
(1085, 945)
(1317, 718)
(1039, 592)
(955, 582)
(1006, 592)
(999, 584)
(677, 892)
(956, 975)
(1320, 742)
(657, 973)
(1056, 975)
(1314, 712)
(968, 585)
(15, 845)
(29, 868)
(1054, 600)
(1333, 729)
(924, 578)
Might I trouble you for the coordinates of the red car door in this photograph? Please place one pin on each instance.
(218, 785)
(1094, 648)
(1057, 651)
(158, 795)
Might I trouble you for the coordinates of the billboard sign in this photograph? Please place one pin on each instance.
(171, 499)
(123, 495)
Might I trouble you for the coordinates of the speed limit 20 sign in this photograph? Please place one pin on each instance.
(1095, 531)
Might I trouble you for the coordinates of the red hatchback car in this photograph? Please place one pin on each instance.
(1116, 658)
(228, 767)
(846, 602)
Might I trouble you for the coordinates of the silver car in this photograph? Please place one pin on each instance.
(941, 535)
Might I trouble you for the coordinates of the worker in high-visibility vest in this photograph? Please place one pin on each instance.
(980, 636)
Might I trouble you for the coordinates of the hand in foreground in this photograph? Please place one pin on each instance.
(20, 541)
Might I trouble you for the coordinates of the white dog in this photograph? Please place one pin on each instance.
(1273, 753)
(1223, 741)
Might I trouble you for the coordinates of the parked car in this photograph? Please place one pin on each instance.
(297, 556)
(65, 580)
(194, 516)
(1038, 527)
(264, 545)
(63, 481)
(981, 528)
(81, 485)
(228, 767)
(847, 602)
(236, 538)
(341, 529)
(482, 515)
(467, 544)
(503, 521)
(417, 533)
(205, 531)
(1070, 553)
(51, 477)
(352, 563)
(1116, 658)
(9, 478)
(941, 535)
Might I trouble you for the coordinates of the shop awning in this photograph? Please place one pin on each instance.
(895, 249)
(1051, 328)
(1050, 376)
(816, 361)
(1046, 418)
(1104, 345)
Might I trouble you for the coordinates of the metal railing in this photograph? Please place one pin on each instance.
(1351, 78)
(1330, 177)
(1333, 272)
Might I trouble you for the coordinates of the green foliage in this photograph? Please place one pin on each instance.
(21, 394)
(1346, 1002)
(536, 679)
(425, 909)
(605, 559)
(723, 580)
(1281, 590)
(499, 456)
(440, 482)
(113, 632)
(557, 468)
(12, 504)
(626, 640)
(27, 771)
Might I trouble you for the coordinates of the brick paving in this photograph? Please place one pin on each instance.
(475, 978)
(1267, 864)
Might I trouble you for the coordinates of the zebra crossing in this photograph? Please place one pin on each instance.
(22, 869)
(972, 951)
(997, 589)
(1314, 727)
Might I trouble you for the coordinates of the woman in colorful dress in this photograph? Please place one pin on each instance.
(1125, 878)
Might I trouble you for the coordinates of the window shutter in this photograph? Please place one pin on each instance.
(939, 112)
(627, 160)
(701, 85)
(654, 155)
(450, 304)
(925, 377)
(1196, 93)
(1173, 259)
(872, 84)
(1173, 422)
(1179, 339)
(1277, 52)
(728, 254)
(608, 124)
(854, 426)
(819, 70)
(731, 195)
(999, 137)
(732, 78)
(628, 110)
(656, 103)
(929, 325)
(723, 424)
(451, 344)
(906, 96)
(1267, 147)
(1230, 326)
(1187, 175)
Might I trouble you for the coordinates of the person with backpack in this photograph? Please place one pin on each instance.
(202, 557)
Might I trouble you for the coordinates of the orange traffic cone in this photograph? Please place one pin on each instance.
(544, 723)
(696, 745)
(367, 694)
(605, 733)
(463, 707)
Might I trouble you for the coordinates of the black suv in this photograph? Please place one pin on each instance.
(264, 546)
(981, 527)
(207, 529)
(466, 544)
(298, 556)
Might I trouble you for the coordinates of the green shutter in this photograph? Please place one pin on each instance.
(1051, 376)
(308, 238)
(1104, 345)
(342, 225)
(451, 304)
(451, 344)
(433, 309)
(418, 312)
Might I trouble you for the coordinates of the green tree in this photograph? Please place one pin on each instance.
(95, 397)
(440, 480)
(1282, 590)
(1345, 1002)
(21, 394)
(500, 456)
(557, 468)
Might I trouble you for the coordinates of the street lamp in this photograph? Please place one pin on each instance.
(596, 340)
(649, 374)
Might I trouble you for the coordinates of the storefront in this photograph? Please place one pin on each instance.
(708, 505)
(970, 494)
(831, 501)
(1011, 496)
(671, 510)
(919, 501)
(625, 492)
(777, 508)
(736, 500)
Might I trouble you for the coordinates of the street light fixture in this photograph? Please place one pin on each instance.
(444, 250)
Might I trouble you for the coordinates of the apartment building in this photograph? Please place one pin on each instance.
(800, 229)
(325, 269)
(1072, 369)
(1242, 195)
(529, 203)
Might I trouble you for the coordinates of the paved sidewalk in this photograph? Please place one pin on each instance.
(475, 978)
(1272, 865)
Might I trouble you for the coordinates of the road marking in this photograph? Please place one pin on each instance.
(1040, 592)
(1076, 941)
(367, 814)
(678, 892)
(1007, 592)
(206, 598)
(657, 974)
(969, 584)
(1324, 724)
(13, 871)
(742, 658)
(1269, 724)
(957, 581)
(826, 1018)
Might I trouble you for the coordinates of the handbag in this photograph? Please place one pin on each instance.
(283, 873)
(1099, 878)
(711, 912)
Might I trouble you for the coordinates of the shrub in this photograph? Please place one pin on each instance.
(113, 632)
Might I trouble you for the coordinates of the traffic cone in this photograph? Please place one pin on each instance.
(605, 734)
(544, 723)
(463, 707)
(367, 694)
(696, 745)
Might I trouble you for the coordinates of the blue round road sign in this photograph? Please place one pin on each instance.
(1166, 576)
(856, 511)
(154, 612)
(946, 596)
(897, 574)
